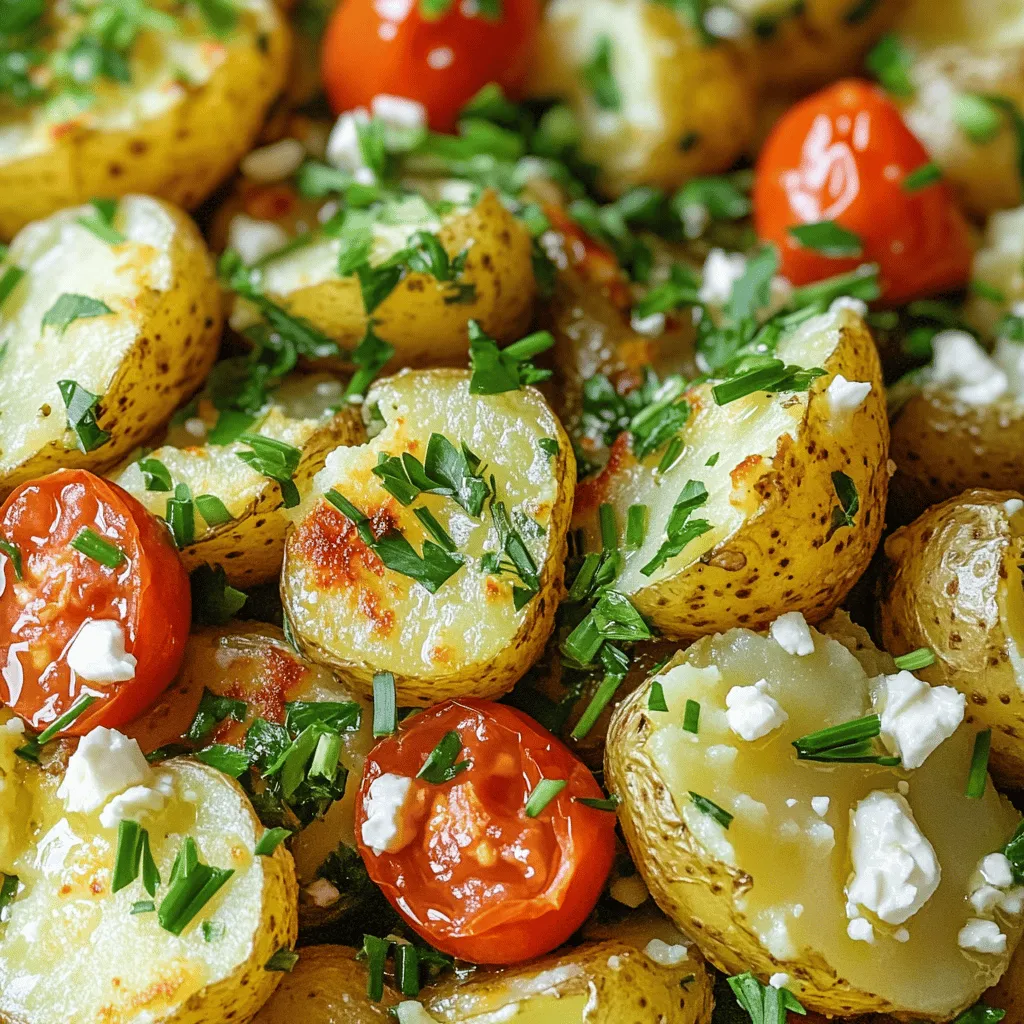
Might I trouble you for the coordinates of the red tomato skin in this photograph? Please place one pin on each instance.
(511, 929)
(373, 48)
(157, 599)
(842, 155)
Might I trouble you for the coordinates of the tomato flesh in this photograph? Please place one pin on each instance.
(842, 155)
(480, 879)
(373, 48)
(61, 589)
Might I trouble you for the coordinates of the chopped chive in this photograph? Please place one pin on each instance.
(276, 460)
(9, 281)
(671, 456)
(212, 509)
(977, 117)
(233, 761)
(155, 475)
(271, 840)
(213, 930)
(925, 175)
(845, 513)
(407, 969)
(142, 907)
(193, 884)
(828, 238)
(858, 729)
(12, 552)
(656, 698)
(581, 584)
(914, 660)
(325, 757)
(181, 516)
(98, 548)
(691, 716)
(213, 709)
(375, 952)
(712, 459)
(284, 959)
(128, 856)
(80, 409)
(636, 526)
(440, 765)
(543, 793)
(616, 664)
(30, 751)
(609, 528)
(611, 803)
(711, 809)
(434, 528)
(385, 705)
(549, 446)
(8, 890)
(978, 775)
(349, 511)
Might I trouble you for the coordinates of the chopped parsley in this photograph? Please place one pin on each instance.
(680, 528)
(599, 78)
(845, 513)
(441, 765)
(509, 369)
(70, 307)
(828, 238)
(80, 406)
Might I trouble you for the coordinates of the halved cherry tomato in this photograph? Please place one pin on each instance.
(843, 155)
(474, 875)
(372, 48)
(61, 589)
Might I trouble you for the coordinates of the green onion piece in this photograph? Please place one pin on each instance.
(712, 459)
(914, 660)
(142, 907)
(828, 238)
(711, 809)
(440, 766)
(407, 969)
(12, 552)
(276, 460)
(193, 884)
(613, 677)
(150, 874)
(609, 528)
(155, 475)
(611, 803)
(212, 509)
(80, 409)
(375, 952)
(671, 456)
(213, 709)
(549, 446)
(599, 78)
(181, 516)
(581, 584)
(977, 117)
(858, 729)
(213, 930)
(434, 528)
(214, 600)
(69, 307)
(325, 757)
(984, 290)
(8, 890)
(691, 716)
(98, 548)
(271, 840)
(350, 512)
(9, 281)
(845, 513)
(30, 751)
(978, 775)
(636, 526)
(385, 705)
(656, 698)
(543, 793)
(284, 959)
(128, 856)
(925, 175)
(980, 1013)
(764, 1003)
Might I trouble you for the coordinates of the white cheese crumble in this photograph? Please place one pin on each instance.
(753, 712)
(997, 870)
(412, 1012)
(981, 937)
(962, 364)
(860, 929)
(399, 112)
(275, 162)
(846, 396)
(322, 893)
(779, 980)
(255, 239)
(105, 763)
(724, 23)
(848, 302)
(895, 868)
(791, 632)
(343, 149)
(901, 935)
(1013, 506)
(665, 954)
(652, 326)
(386, 828)
(135, 803)
(916, 717)
(819, 804)
(721, 271)
(97, 653)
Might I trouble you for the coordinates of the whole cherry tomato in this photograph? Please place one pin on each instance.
(123, 568)
(456, 852)
(844, 156)
(373, 47)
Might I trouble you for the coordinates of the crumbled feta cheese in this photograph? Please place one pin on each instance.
(753, 712)
(195, 426)
(962, 364)
(849, 302)
(985, 899)
(724, 23)
(1013, 506)
(791, 632)
(1013, 901)
(666, 955)
(275, 162)
(343, 150)
(792, 801)
(895, 868)
(398, 111)
(255, 239)
(1009, 357)
(615, 962)
(97, 653)
(779, 980)
(997, 870)
(322, 893)
(798, 910)
(822, 836)
(981, 937)
(105, 763)
(721, 755)
(846, 396)
(917, 717)
(133, 805)
(721, 271)
(860, 929)
(411, 1011)
(386, 828)
(819, 804)
(652, 326)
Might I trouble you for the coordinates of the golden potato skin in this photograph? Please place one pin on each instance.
(941, 588)
(1008, 995)
(943, 447)
(181, 155)
(176, 348)
(775, 561)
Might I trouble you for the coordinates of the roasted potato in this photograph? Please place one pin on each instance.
(251, 661)
(771, 465)
(676, 108)
(134, 324)
(304, 413)
(957, 423)
(1008, 995)
(952, 582)
(189, 109)
(105, 962)
(483, 623)
(423, 318)
(721, 824)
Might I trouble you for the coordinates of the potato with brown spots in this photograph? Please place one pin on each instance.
(952, 582)
(1008, 995)
(103, 335)
(452, 578)
(786, 493)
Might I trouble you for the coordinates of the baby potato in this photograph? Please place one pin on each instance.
(1008, 995)
(252, 661)
(101, 339)
(193, 102)
(772, 467)
(493, 478)
(246, 536)
(777, 864)
(675, 107)
(952, 582)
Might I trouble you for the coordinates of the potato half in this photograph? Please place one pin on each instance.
(684, 108)
(191, 110)
(768, 464)
(952, 582)
(304, 413)
(105, 963)
(767, 891)
(141, 359)
(348, 610)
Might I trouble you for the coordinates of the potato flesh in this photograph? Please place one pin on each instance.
(744, 434)
(408, 630)
(776, 844)
(72, 953)
(60, 256)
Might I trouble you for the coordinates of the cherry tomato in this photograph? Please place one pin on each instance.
(470, 870)
(843, 155)
(372, 47)
(61, 590)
